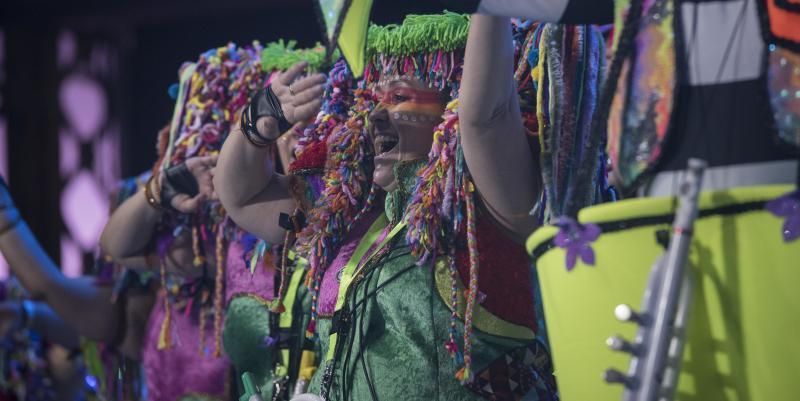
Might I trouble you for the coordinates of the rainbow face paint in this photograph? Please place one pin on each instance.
(401, 126)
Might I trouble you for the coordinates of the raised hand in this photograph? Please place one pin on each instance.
(300, 98)
(201, 169)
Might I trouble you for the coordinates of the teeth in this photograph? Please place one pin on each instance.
(385, 143)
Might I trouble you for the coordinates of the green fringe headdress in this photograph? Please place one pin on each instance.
(426, 47)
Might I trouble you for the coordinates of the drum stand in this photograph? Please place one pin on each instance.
(657, 351)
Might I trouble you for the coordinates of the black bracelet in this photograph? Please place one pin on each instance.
(294, 223)
(263, 104)
(250, 131)
(177, 180)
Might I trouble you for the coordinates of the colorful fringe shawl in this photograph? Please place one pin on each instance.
(569, 71)
(346, 194)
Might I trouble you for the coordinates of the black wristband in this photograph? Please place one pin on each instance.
(177, 180)
(263, 104)
(293, 223)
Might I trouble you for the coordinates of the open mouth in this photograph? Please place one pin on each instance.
(385, 142)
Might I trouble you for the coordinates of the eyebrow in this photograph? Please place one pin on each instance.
(398, 82)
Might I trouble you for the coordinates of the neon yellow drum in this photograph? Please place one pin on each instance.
(743, 340)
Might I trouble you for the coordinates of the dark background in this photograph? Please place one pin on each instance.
(150, 40)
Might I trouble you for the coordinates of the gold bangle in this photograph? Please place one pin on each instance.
(148, 194)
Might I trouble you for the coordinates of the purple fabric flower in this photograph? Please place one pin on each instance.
(269, 342)
(788, 207)
(576, 239)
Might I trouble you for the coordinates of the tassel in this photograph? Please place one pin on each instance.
(276, 306)
(202, 348)
(218, 294)
(277, 303)
(464, 375)
(199, 260)
(312, 328)
(164, 337)
(472, 244)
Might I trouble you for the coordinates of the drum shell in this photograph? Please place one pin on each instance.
(746, 308)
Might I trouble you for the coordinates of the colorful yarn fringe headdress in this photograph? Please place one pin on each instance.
(211, 93)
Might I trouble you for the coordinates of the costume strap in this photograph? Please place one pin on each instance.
(355, 265)
(286, 318)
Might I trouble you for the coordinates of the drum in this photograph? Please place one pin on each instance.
(745, 312)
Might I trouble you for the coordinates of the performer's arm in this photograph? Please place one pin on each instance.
(42, 319)
(131, 227)
(563, 11)
(253, 194)
(39, 317)
(496, 149)
(86, 307)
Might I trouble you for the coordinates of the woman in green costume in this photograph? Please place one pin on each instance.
(398, 309)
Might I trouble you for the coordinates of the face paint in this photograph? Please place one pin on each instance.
(401, 126)
(399, 91)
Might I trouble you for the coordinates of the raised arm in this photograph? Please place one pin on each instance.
(504, 168)
(254, 195)
(39, 317)
(183, 188)
(84, 306)
(245, 180)
(130, 228)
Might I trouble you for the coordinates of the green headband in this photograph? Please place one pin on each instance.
(280, 55)
(419, 34)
